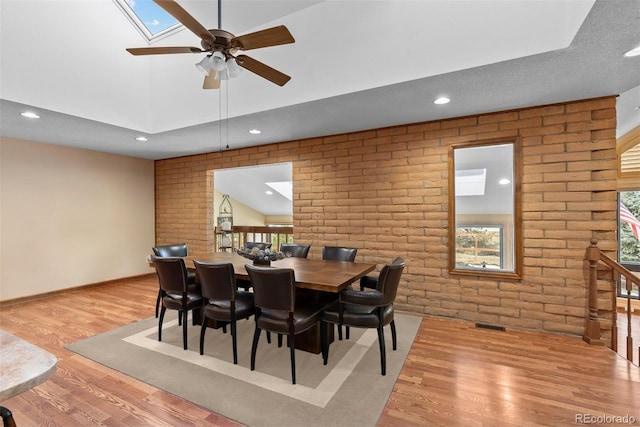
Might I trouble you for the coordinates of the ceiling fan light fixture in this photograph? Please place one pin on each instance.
(204, 66)
(223, 75)
(218, 61)
(233, 69)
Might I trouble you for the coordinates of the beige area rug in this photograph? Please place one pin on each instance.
(348, 391)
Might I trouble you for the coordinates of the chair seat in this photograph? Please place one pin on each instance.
(358, 316)
(221, 310)
(174, 301)
(304, 317)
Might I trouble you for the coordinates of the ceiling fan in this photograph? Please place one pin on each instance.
(223, 61)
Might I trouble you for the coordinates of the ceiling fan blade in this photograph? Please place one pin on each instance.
(264, 38)
(262, 70)
(211, 82)
(175, 10)
(163, 50)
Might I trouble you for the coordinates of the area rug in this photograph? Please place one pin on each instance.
(348, 391)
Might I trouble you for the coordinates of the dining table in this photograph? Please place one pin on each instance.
(316, 279)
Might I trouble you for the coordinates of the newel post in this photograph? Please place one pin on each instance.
(592, 326)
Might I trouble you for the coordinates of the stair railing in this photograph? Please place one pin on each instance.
(592, 333)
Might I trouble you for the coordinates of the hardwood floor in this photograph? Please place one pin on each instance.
(455, 374)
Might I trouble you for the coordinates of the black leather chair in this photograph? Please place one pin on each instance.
(278, 311)
(296, 250)
(369, 282)
(222, 300)
(260, 245)
(174, 250)
(339, 253)
(172, 275)
(370, 309)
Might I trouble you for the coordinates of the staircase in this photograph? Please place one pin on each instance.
(602, 324)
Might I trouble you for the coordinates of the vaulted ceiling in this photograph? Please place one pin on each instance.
(355, 65)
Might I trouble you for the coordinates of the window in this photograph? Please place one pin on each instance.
(149, 18)
(629, 237)
(484, 214)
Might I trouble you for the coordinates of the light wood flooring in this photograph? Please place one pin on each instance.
(455, 374)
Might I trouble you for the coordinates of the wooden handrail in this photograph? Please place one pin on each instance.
(592, 329)
(240, 233)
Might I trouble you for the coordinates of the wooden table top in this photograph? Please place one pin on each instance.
(319, 275)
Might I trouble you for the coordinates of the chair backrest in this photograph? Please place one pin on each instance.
(339, 253)
(296, 250)
(172, 273)
(389, 279)
(260, 245)
(273, 288)
(217, 280)
(174, 250)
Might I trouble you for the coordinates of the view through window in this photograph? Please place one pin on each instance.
(629, 236)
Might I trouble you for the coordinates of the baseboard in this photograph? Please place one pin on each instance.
(21, 300)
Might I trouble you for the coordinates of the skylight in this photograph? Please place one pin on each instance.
(470, 182)
(149, 18)
(284, 187)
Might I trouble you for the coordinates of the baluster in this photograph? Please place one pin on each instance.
(592, 327)
(629, 336)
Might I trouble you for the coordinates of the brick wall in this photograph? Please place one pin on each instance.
(385, 191)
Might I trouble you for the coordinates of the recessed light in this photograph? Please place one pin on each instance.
(269, 192)
(255, 131)
(141, 139)
(442, 100)
(633, 52)
(30, 115)
(504, 181)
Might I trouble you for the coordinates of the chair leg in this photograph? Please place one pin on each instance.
(203, 329)
(268, 337)
(346, 329)
(7, 417)
(179, 318)
(292, 347)
(393, 334)
(254, 346)
(184, 331)
(279, 340)
(340, 332)
(324, 341)
(234, 342)
(383, 354)
(162, 311)
(158, 302)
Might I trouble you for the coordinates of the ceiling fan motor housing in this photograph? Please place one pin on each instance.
(221, 41)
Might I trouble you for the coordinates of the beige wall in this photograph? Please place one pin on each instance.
(385, 191)
(71, 217)
(242, 214)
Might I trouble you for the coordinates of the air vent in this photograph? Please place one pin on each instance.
(492, 327)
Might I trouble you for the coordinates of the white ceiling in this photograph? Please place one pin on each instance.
(355, 65)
